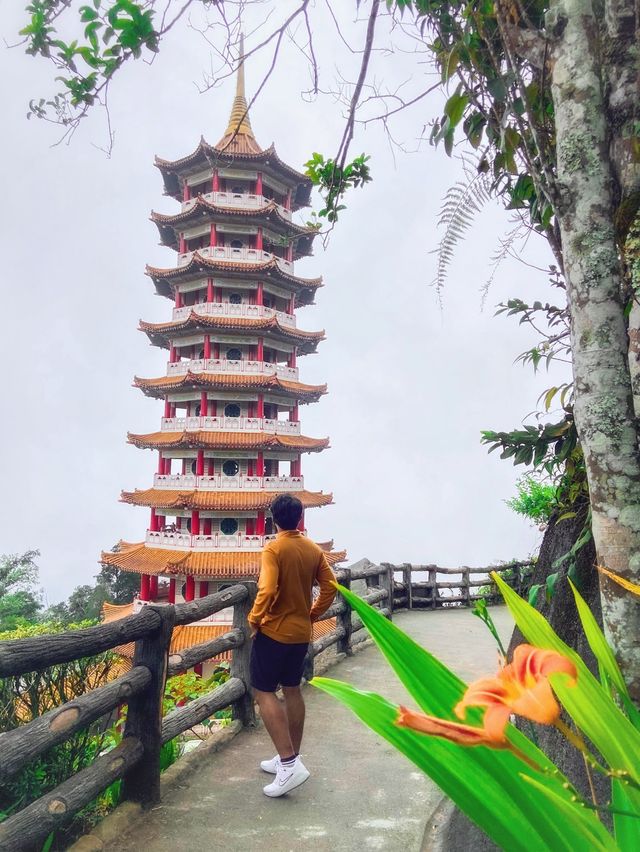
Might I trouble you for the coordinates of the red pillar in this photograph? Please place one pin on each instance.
(289, 252)
(210, 470)
(260, 351)
(207, 346)
(293, 358)
(153, 587)
(172, 590)
(186, 193)
(260, 523)
(259, 239)
(153, 523)
(287, 203)
(178, 299)
(200, 463)
(210, 290)
(161, 521)
(215, 185)
(204, 588)
(183, 244)
(259, 184)
(260, 464)
(213, 408)
(216, 350)
(184, 466)
(160, 459)
(144, 587)
(260, 294)
(292, 304)
(190, 589)
(213, 239)
(203, 404)
(294, 415)
(167, 407)
(260, 412)
(206, 526)
(251, 526)
(195, 522)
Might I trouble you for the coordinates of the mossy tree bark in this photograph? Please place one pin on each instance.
(598, 183)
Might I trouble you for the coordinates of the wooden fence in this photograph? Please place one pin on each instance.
(465, 586)
(136, 760)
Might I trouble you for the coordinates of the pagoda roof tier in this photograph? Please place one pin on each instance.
(140, 559)
(201, 266)
(160, 333)
(201, 210)
(227, 441)
(232, 152)
(219, 501)
(228, 381)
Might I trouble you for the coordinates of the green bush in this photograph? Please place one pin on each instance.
(535, 500)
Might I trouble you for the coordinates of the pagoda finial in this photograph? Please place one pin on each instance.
(239, 124)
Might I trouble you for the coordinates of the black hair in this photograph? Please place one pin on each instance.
(286, 511)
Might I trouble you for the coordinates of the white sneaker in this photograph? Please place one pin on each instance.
(287, 779)
(270, 766)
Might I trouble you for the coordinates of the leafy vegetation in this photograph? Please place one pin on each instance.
(19, 598)
(493, 772)
(534, 500)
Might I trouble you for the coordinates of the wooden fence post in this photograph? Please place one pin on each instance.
(406, 579)
(433, 583)
(243, 709)
(464, 586)
(144, 715)
(386, 583)
(344, 620)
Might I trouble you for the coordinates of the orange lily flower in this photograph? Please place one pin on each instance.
(522, 687)
(455, 732)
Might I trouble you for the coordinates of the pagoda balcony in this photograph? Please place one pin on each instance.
(220, 482)
(242, 200)
(218, 541)
(240, 255)
(226, 309)
(230, 424)
(220, 365)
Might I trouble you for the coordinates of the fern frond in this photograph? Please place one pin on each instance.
(460, 206)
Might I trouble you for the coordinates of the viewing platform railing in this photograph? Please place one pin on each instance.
(136, 760)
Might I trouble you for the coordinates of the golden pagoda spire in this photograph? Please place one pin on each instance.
(239, 134)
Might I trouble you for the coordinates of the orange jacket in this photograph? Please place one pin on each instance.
(291, 565)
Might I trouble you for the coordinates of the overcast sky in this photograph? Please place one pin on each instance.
(411, 384)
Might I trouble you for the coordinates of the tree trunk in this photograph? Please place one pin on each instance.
(603, 395)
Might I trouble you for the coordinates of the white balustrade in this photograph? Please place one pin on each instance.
(217, 541)
(220, 482)
(242, 255)
(243, 200)
(221, 365)
(230, 424)
(227, 309)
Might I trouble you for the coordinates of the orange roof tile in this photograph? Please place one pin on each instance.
(227, 441)
(223, 381)
(269, 267)
(269, 210)
(224, 501)
(139, 559)
(196, 320)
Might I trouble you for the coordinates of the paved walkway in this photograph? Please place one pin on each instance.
(362, 794)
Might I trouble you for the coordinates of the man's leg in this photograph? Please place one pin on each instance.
(295, 712)
(274, 716)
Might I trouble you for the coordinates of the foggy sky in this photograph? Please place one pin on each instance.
(410, 384)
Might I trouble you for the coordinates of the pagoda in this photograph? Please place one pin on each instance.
(230, 439)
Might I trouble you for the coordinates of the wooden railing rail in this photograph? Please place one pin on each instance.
(136, 760)
(426, 593)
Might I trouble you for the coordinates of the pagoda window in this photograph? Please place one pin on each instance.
(237, 190)
(235, 298)
(234, 354)
(268, 301)
(238, 244)
(228, 526)
(230, 468)
(232, 410)
(196, 412)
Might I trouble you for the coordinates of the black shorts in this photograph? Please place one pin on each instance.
(276, 663)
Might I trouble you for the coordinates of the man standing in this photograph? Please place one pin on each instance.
(281, 620)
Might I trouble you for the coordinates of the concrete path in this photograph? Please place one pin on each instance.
(361, 795)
